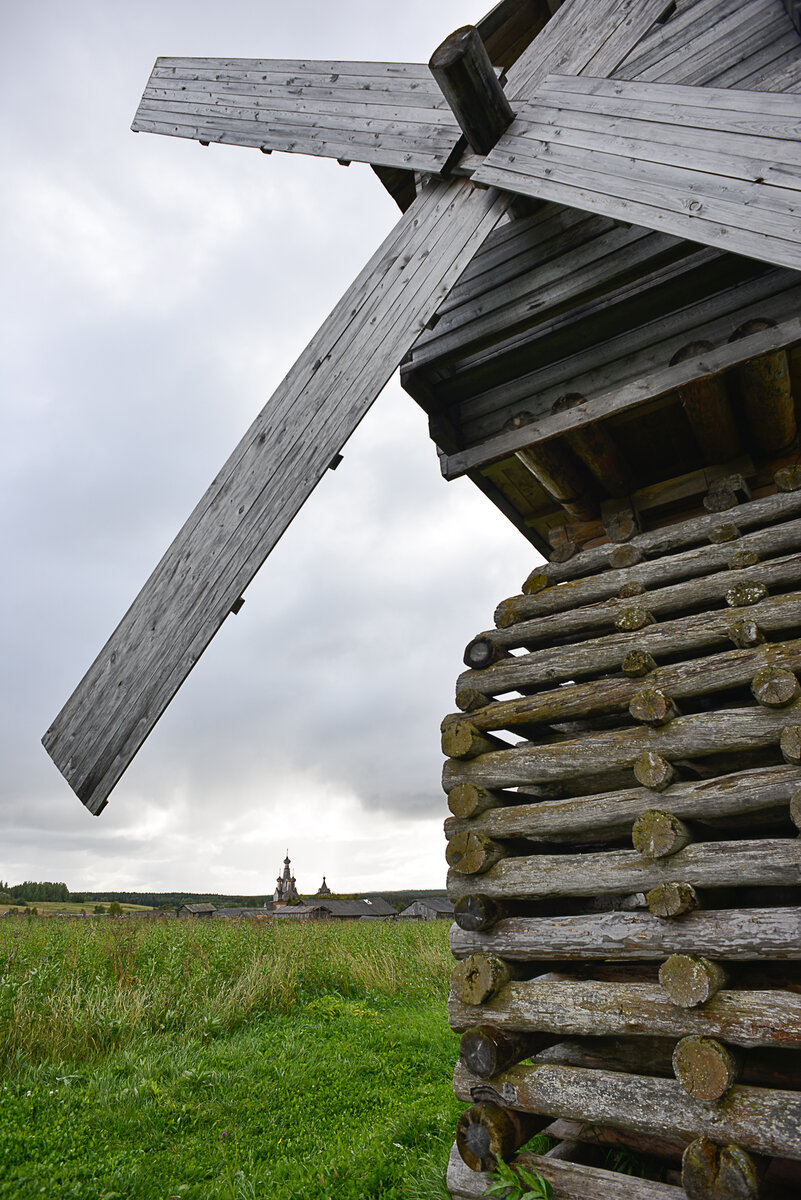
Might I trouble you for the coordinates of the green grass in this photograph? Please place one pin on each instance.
(224, 1061)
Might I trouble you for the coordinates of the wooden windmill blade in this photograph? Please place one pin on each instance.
(280, 460)
(264, 483)
(716, 166)
(385, 114)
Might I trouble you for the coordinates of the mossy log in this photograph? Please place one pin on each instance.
(540, 599)
(737, 589)
(570, 1181)
(488, 1131)
(760, 1120)
(614, 813)
(713, 1172)
(767, 862)
(668, 539)
(672, 899)
(487, 1051)
(479, 977)
(756, 934)
(596, 655)
(690, 979)
(709, 409)
(472, 853)
(658, 834)
(704, 1067)
(694, 736)
(591, 1008)
(771, 666)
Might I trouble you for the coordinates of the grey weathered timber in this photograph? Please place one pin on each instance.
(669, 539)
(697, 677)
(570, 1181)
(649, 386)
(769, 862)
(685, 150)
(593, 40)
(695, 736)
(689, 564)
(387, 114)
(578, 1008)
(731, 934)
(464, 73)
(598, 655)
(264, 483)
(763, 1120)
(614, 813)
(776, 574)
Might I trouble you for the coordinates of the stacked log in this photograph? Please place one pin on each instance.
(624, 783)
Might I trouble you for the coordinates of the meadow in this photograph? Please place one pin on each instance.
(228, 1060)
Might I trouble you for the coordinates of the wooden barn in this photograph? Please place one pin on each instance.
(593, 290)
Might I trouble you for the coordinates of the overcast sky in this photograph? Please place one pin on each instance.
(156, 293)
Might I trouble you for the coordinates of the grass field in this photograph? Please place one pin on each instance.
(224, 1061)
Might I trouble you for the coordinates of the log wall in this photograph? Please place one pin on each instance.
(624, 783)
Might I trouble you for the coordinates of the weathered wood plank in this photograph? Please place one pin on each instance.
(730, 934)
(304, 107)
(763, 1120)
(615, 812)
(631, 185)
(591, 38)
(580, 1008)
(264, 483)
(769, 862)
(632, 393)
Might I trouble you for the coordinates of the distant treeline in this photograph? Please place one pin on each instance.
(399, 899)
(32, 890)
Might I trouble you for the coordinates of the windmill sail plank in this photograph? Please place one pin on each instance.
(264, 483)
(751, 208)
(387, 114)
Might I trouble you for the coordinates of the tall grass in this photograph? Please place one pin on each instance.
(74, 990)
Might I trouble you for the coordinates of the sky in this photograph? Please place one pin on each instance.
(156, 292)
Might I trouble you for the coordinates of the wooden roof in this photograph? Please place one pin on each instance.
(570, 301)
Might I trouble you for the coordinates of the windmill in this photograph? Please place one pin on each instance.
(480, 148)
(593, 290)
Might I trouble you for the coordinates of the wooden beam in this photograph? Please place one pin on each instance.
(730, 934)
(588, 1008)
(763, 1120)
(650, 387)
(385, 114)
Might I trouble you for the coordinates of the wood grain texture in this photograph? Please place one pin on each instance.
(550, 664)
(579, 1008)
(614, 813)
(695, 736)
(263, 484)
(386, 114)
(731, 934)
(720, 167)
(769, 862)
